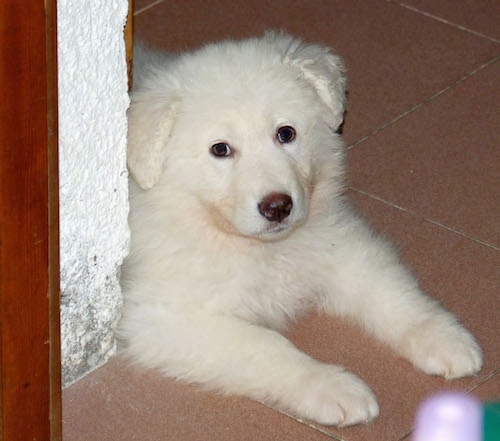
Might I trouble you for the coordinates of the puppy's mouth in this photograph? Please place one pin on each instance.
(270, 231)
(276, 231)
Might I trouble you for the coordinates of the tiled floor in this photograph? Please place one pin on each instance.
(424, 155)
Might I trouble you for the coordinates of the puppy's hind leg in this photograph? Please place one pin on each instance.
(235, 357)
(371, 286)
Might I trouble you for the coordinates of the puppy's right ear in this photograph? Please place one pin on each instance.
(325, 72)
(150, 120)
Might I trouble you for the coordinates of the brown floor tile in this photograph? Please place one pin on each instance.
(117, 403)
(481, 16)
(141, 5)
(396, 58)
(461, 274)
(442, 160)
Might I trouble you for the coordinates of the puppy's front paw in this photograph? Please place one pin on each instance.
(441, 346)
(332, 396)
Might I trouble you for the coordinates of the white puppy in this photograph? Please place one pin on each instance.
(239, 225)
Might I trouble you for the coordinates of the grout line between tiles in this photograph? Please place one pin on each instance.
(421, 216)
(422, 103)
(449, 23)
(145, 8)
(406, 436)
(470, 391)
(484, 380)
(304, 422)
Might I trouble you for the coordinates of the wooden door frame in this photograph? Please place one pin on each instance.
(30, 359)
(30, 372)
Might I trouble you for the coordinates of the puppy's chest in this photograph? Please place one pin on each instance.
(273, 291)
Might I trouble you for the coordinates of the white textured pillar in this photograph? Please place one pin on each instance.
(93, 178)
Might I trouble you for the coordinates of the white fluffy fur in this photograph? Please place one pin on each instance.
(210, 282)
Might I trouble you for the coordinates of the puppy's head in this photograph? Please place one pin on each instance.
(246, 129)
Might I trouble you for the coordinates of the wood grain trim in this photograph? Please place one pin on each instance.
(129, 41)
(55, 393)
(29, 280)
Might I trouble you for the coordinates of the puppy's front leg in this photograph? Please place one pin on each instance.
(372, 287)
(236, 357)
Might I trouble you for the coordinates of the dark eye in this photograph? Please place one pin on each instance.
(221, 149)
(285, 134)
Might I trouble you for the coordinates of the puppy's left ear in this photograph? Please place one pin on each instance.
(325, 71)
(151, 117)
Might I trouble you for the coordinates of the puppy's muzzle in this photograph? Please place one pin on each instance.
(276, 207)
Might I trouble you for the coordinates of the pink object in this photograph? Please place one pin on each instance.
(449, 416)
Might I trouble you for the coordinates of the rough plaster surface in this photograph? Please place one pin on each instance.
(93, 178)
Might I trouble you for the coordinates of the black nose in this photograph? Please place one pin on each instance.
(276, 206)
